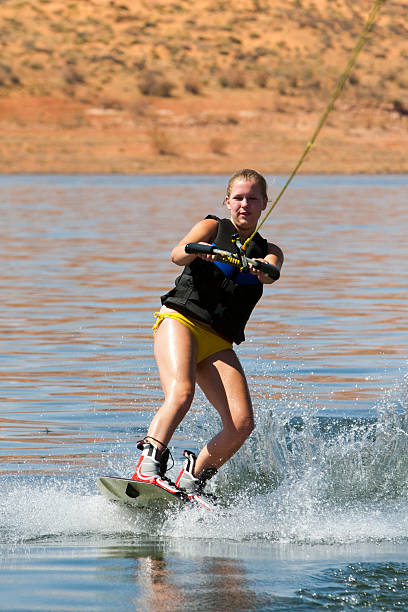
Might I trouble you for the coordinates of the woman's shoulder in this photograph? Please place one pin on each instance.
(204, 230)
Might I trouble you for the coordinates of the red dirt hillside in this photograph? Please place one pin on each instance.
(146, 86)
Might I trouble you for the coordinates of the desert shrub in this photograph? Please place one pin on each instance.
(400, 107)
(192, 84)
(161, 142)
(261, 78)
(154, 83)
(261, 52)
(233, 78)
(140, 63)
(141, 107)
(231, 120)
(402, 80)
(112, 103)
(71, 76)
(218, 145)
(7, 77)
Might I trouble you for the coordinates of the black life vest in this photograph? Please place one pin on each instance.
(216, 293)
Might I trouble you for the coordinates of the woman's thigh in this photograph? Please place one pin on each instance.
(175, 351)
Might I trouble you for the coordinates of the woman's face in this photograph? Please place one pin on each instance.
(245, 204)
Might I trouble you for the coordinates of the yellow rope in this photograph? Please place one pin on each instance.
(343, 78)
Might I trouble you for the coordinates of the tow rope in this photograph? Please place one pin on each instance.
(341, 82)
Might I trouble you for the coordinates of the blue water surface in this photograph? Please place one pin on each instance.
(314, 507)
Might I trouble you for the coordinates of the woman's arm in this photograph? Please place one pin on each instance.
(274, 257)
(204, 231)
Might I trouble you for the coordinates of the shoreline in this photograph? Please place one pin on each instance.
(214, 174)
(206, 136)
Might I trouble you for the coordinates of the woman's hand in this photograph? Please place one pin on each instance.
(264, 278)
(274, 257)
(206, 256)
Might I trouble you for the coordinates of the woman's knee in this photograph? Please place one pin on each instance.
(248, 426)
(182, 394)
(244, 427)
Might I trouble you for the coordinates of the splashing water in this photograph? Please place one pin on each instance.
(298, 479)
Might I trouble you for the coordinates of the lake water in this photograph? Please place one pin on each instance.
(314, 511)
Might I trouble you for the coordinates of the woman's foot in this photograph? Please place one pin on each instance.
(186, 480)
(152, 467)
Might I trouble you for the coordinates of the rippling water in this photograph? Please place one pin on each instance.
(315, 506)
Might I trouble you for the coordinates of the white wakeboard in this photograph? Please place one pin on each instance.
(141, 494)
(145, 494)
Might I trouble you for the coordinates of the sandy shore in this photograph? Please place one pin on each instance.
(206, 134)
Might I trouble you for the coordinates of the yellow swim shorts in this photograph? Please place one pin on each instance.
(208, 342)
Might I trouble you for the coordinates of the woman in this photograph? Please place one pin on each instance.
(199, 320)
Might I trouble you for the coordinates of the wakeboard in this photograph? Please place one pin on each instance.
(145, 494)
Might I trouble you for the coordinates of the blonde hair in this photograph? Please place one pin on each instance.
(248, 175)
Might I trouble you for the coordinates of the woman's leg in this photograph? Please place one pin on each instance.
(175, 350)
(223, 381)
